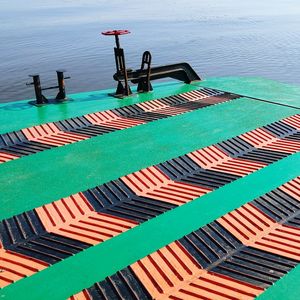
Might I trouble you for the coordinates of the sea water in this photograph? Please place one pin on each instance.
(217, 37)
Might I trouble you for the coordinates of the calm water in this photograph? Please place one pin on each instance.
(217, 37)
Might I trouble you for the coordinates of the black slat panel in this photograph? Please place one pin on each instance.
(210, 244)
(280, 129)
(235, 147)
(277, 204)
(15, 137)
(128, 111)
(294, 137)
(148, 116)
(179, 167)
(294, 222)
(122, 285)
(49, 247)
(117, 199)
(264, 156)
(93, 130)
(183, 169)
(73, 123)
(26, 148)
(108, 194)
(249, 274)
(20, 228)
(173, 100)
(139, 209)
(255, 266)
(193, 105)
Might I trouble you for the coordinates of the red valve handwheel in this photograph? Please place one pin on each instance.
(116, 32)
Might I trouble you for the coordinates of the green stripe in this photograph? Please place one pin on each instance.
(286, 288)
(256, 87)
(18, 115)
(94, 264)
(47, 176)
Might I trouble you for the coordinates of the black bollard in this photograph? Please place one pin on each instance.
(40, 98)
(61, 85)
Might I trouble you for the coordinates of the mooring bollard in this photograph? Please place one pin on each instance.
(61, 85)
(40, 98)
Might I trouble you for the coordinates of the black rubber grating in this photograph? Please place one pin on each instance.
(49, 247)
(26, 148)
(73, 124)
(210, 244)
(280, 129)
(264, 156)
(93, 130)
(148, 116)
(235, 147)
(255, 267)
(20, 228)
(277, 205)
(183, 169)
(122, 285)
(117, 199)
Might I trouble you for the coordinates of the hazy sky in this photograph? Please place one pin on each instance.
(68, 11)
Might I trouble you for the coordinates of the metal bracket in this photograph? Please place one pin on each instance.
(144, 84)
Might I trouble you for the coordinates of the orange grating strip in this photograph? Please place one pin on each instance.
(50, 134)
(73, 217)
(81, 296)
(153, 183)
(293, 121)
(4, 157)
(253, 228)
(292, 188)
(260, 138)
(15, 266)
(110, 119)
(172, 273)
(214, 158)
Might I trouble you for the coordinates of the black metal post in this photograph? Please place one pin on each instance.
(121, 68)
(61, 85)
(40, 99)
(144, 84)
(122, 90)
(117, 41)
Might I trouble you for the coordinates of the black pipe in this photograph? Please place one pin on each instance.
(40, 99)
(181, 71)
(61, 86)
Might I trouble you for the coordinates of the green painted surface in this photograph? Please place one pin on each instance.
(20, 114)
(286, 288)
(32, 181)
(47, 176)
(256, 87)
(94, 264)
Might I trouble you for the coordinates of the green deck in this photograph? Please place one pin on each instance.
(50, 175)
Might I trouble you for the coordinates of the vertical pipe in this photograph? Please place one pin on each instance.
(38, 89)
(61, 85)
(117, 41)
